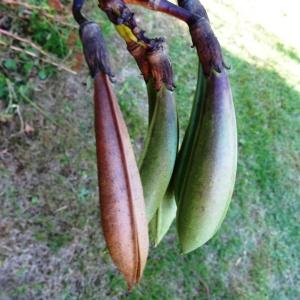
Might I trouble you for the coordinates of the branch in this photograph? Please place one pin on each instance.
(26, 5)
(164, 6)
(207, 45)
(41, 11)
(29, 53)
(150, 54)
(190, 11)
(23, 40)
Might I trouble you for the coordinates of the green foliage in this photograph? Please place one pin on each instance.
(43, 3)
(52, 38)
(3, 87)
(10, 64)
(21, 69)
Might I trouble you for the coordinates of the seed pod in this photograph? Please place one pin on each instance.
(158, 157)
(152, 93)
(209, 180)
(122, 205)
(121, 195)
(189, 135)
(166, 211)
(163, 217)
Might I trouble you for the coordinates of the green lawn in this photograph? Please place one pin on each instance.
(49, 209)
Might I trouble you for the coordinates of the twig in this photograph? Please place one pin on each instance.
(41, 11)
(22, 126)
(164, 6)
(26, 5)
(46, 60)
(23, 40)
(149, 54)
(61, 208)
(58, 20)
(206, 288)
(38, 108)
(12, 95)
(55, 64)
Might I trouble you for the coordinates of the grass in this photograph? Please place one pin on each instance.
(48, 188)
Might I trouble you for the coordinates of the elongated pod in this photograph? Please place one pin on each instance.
(159, 154)
(211, 167)
(122, 205)
(152, 93)
(189, 135)
(121, 195)
(163, 217)
(166, 211)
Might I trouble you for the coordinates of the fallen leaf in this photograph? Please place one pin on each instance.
(56, 4)
(28, 129)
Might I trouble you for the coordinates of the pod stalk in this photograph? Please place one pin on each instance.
(203, 38)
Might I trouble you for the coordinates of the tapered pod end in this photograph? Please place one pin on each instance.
(192, 235)
(163, 217)
(188, 245)
(94, 49)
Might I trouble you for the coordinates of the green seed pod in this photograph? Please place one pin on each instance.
(163, 217)
(158, 158)
(189, 136)
(208, 183)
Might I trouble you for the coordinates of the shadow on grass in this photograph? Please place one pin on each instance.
(291, 53)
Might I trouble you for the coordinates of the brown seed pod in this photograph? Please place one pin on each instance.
(121, 196)
(122, 205)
